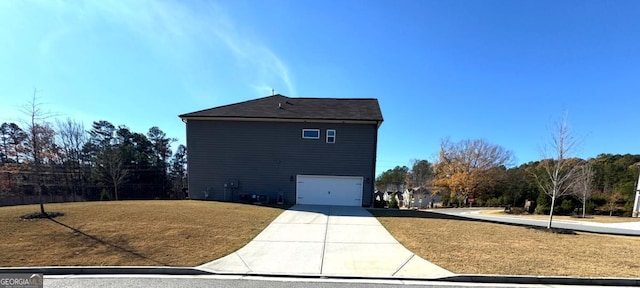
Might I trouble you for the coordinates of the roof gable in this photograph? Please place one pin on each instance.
(283, 107)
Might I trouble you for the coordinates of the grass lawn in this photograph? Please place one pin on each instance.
(161, 232)
(473, 247)
(590, 218)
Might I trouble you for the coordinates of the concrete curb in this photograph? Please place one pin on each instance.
(544, 280)
(472, 278)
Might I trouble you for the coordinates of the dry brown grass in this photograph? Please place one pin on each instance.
(473, 247)
(173, 233)
(590, 218)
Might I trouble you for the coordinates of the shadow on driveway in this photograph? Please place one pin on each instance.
(347, 211)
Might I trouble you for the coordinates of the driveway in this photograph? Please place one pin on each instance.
(326, 240)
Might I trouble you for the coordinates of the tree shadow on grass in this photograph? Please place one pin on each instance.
(434, 215)
(420, 214)
(108, 244)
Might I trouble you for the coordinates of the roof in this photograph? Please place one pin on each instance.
(283, 107)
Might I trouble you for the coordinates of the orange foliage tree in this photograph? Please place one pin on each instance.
(470, 168)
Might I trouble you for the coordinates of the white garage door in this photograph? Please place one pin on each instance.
(329, 190)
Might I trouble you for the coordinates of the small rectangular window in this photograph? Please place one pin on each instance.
(311, 133)
(331, 136)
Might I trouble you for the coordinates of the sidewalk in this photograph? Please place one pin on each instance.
(327, 241)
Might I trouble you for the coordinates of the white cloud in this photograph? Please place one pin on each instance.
(166, 23)
(184, 33)
(269, 68)
(278, 67)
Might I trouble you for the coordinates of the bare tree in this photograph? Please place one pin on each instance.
(110, 164)
(558, 171)
(36, 126)
(583, 185)
(72, 138)
(613, 198)
(612, 201)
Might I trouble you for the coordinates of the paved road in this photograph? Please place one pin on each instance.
(629, 228)
(250, 282)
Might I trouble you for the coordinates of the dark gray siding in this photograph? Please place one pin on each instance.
(265, 157)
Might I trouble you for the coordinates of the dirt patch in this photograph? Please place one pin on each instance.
(554, 230)
(39, 215)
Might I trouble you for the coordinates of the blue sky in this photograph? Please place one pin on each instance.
(503, 71)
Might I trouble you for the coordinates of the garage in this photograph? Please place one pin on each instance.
(329, 190)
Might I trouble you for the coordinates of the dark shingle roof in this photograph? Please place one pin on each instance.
(283, 107)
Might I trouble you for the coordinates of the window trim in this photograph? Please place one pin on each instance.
(311, 130)
(333, 136)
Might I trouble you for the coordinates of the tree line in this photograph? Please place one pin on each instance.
(64, 161)
(476, 172)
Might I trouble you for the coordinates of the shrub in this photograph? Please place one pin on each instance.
(393, 202)
(543, 206)
(515, 210)
(494, 202)
(590, 207)
(598, 200)
(446, 199)
(628, 208)
(566, 207)
(104, 195)
(504, 200)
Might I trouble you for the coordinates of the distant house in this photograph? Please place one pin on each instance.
(277, 148)
(420, 197)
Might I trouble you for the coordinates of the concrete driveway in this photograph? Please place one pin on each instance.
(326, 240)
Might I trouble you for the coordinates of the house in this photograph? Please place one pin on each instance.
(283, 149)
(420, 197)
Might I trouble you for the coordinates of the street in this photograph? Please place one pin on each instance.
(100, 281)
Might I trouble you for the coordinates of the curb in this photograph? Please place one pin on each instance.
(544, 280)
(462, 278)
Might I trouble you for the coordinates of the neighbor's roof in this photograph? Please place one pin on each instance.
(283, 107)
